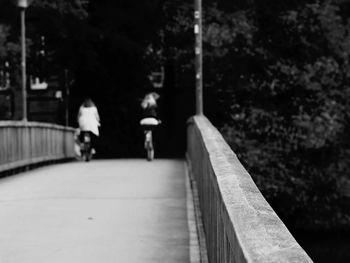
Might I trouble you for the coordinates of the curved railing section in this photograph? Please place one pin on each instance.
(239, 224)
(27, 143)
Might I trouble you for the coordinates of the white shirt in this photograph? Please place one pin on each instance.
(89, 119)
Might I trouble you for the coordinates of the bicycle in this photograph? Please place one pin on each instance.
(148, 125)
(85, 146)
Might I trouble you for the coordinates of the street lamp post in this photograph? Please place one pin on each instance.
(198, 54)
(66, 84)
(23, 4)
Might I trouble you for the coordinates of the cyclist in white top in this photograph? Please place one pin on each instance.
(89, 119)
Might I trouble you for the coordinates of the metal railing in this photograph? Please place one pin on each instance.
(27, 143)
(239, 224)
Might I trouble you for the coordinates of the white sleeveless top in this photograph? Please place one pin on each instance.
(89, 119)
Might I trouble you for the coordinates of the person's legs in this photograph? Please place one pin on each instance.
(93, 142)
(81, 136)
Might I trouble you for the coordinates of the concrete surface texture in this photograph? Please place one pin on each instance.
(240, 224)
(104, 211)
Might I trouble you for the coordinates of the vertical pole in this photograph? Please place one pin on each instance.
(67, 96)
(23, 65)
(198, 54)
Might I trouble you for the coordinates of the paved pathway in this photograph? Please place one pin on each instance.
(104, 211)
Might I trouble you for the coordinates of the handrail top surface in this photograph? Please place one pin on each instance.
(34, 124)
(261, 234)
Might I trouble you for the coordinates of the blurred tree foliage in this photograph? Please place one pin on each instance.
(101, 43)
(276, 83)
(283, 93)
(276, 77)
(57, 20)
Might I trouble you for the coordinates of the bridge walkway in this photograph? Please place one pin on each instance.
(102, 211)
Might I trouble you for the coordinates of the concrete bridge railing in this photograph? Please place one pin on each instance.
(239, 224)
(23, 144)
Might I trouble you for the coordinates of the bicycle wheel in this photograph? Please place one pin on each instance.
(150, 154)
(88, 156)
(149, 145)
(86, 152)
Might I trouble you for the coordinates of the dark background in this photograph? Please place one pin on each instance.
(276, 85)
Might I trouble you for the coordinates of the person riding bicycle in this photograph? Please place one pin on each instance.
(89, 121)
(149, 122)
